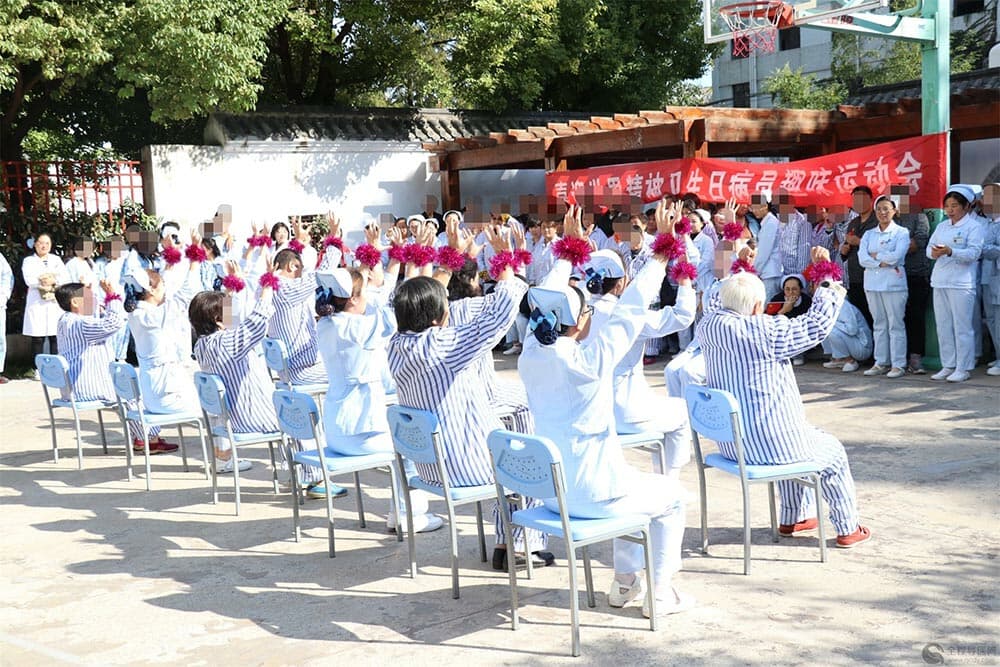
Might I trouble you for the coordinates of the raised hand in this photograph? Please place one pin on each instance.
(452, 230)
(394, 236)
(372, 234)
(333, 222)
(517, 235)
(729, 212)
(819, 254)
(573, 222)
(233, 268)
(107, 287)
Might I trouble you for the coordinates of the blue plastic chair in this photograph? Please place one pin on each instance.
(650, 439)
(715, 414)
(416, 436)
(126, 382)
(53, 369)
(299, 419)
(212, 396)
(532, 467)
(276, 358)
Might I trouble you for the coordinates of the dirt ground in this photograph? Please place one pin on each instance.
(98, 571)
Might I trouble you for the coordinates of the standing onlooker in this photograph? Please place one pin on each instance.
(43, 272)
(918, 287)
(6, 288)
(956, 245)
(862, 199)
(882, 253)
(767, 262)
(990, 270)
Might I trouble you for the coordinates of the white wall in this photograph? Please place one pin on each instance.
(267, 181)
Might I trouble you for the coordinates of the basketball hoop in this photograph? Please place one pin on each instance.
(755, 24)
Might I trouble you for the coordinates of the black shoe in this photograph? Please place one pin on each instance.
(542, 558)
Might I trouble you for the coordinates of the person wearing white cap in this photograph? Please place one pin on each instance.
(956, 245)
(882, 254)
(637, 408)
(567, 368)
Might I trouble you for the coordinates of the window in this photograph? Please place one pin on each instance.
(789, 38)
(740, 48)
(741, 95)
(963, 7)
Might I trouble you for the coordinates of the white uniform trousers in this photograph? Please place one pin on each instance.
(889, 332)
(953, 308)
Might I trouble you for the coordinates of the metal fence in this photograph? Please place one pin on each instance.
(44, 190)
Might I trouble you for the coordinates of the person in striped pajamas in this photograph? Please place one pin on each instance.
(434, 366)
(87, 342)
(294, 322)
(749, 355)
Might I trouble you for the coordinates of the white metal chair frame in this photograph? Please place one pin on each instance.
(724, 414)
(653, 440)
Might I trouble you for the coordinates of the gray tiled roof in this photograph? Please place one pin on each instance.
(977, 80)
(418, 125)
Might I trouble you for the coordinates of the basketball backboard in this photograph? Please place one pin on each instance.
(802, 12)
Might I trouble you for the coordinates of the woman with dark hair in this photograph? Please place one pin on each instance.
(956, 245)
(43, 272)
(280, 235)
(568, 369)
(792, 301)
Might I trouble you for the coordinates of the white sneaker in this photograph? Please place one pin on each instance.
(834, 363)
(798, 361)
(993, 363)
(943, 374)
(895, 373)
(876, 370)
(958, 376)
(223, 467)
(620, 595)
(680, 602)
(422, 523)
(993, 370)
(513, 349)
(851, 366)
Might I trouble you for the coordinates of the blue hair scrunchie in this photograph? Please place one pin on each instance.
(543, 326)
(595, 279)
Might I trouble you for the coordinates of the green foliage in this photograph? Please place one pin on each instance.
(791, 89)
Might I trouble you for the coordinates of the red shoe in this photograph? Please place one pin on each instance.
(648, 361)
(155, 447)
(789, 530)
(862, 534)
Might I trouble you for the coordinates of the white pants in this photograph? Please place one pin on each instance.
(3, 336)
(839, 345)
(651, 496)
(889, 332)
(991, 310)
(953, 308)
(684, 369)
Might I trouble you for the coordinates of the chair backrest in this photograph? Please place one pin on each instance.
(525, 464)
(211, 394)
(298, 415)
(126, 381)
(53, 370)
(413, 433)
(713, 413)
(276, 357)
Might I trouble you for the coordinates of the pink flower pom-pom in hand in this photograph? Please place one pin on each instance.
(667, 245)
(574, 250)
(195, 253)
(233, 283)
(742, 266)
(296, 245)
(398, 253)
(523, 257)
(450, 259)
(334, 241)
(683, 226)
(732, 231)
(682, 270)
(270, 280)
(817, 272)
(108, 298)
(420, 254)
(367, 255)
(171, 256)
(260, 241)
(499, 263)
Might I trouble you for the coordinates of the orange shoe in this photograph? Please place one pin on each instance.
(862, 534)
(789, 530)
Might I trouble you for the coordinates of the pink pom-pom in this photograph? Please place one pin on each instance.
(732, 231)
(668, 245)
(270, 280)
(171, 256)
(233, 283)
(742, 266)
(334, 241)
(523, 257)
(574, 250)
(817, 272)
(398, 253)
(683, 226)
(367, 255)
(500, 262)
(450, 258)
(296, 245)
(108, 298)
(683, 270)
(195, 253)
(420, 254)
(260, 241)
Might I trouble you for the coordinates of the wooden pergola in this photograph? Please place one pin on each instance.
(681, 132)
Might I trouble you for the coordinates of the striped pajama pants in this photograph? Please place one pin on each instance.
(798, 502)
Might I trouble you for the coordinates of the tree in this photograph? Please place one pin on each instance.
(791, 89)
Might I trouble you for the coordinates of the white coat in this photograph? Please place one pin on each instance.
(41, 317)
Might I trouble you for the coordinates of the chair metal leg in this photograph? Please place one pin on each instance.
(184, 454)
(453, 537)
(394, 508)
(79, 439)
(361, 501)
(529, 567)
(482, 533)
(274, 467)
(236, 476)
(149, 471)
(294, 475)
(410, 534)
(574, 598)
(647, 548)
(104, 437)
(704, 508)
(209, 460)
(128, 447)
(329, 515)
(508, 530)
(588, 578)
(746, 527)
(819, 519)
(774, 512)
(661, 447)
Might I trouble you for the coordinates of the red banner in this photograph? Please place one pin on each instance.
(914, 166)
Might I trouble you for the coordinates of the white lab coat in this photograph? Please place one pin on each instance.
(41, 317)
